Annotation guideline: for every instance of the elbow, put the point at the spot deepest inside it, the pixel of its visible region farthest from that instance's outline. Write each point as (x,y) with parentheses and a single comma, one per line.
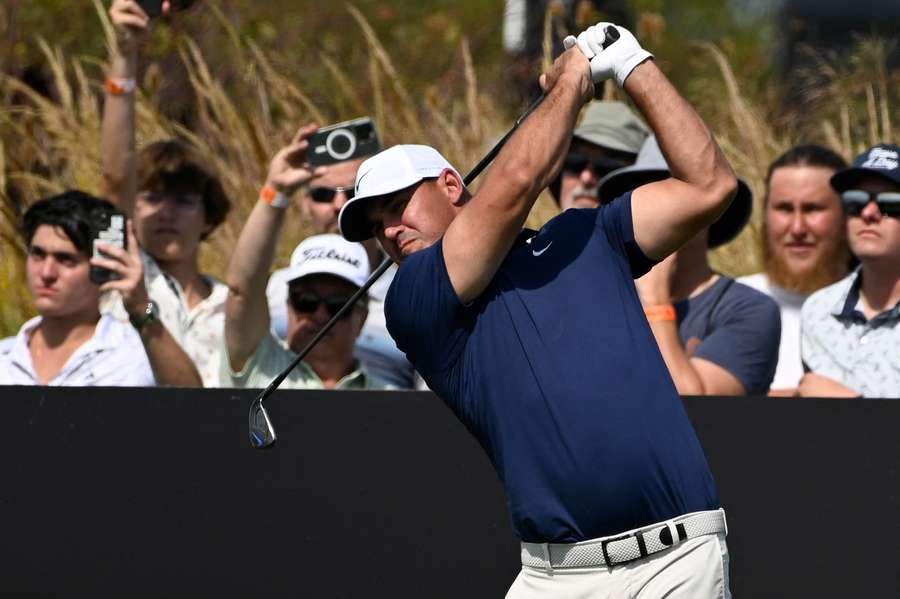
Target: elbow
(719,192)
(519,181)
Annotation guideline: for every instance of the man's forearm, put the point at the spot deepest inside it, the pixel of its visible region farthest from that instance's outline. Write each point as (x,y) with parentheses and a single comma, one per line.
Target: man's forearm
(691,152)
(246,309)
(117,142)
(535,153)
(171,365)
(687,379)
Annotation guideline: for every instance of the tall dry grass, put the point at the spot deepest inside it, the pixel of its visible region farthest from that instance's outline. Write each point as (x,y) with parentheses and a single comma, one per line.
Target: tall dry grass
(49,145)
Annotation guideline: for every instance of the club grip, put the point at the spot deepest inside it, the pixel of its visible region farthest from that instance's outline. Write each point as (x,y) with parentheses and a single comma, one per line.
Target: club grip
(611,34)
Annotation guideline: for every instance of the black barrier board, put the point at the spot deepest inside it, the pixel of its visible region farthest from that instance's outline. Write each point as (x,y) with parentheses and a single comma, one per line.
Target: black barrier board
(118,492)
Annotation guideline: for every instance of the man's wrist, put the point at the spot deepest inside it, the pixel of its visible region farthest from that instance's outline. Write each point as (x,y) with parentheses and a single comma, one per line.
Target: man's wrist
(660,313)
(273,197)
(146,316)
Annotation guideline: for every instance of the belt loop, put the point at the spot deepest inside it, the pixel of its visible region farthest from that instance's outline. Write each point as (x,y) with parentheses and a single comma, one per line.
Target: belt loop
(676,538)
(548,565)
(724,520)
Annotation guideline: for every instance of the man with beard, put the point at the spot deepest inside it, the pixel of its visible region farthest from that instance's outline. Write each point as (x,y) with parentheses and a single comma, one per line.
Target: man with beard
(850,331)
(804,245)
(608,137)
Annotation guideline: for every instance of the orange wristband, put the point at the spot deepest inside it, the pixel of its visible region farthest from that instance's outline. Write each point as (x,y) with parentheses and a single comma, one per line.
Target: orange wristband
(661,313)
(273,197)
(120,87)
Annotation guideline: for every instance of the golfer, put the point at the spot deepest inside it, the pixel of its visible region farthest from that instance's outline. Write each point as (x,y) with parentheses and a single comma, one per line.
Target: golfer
(539,343)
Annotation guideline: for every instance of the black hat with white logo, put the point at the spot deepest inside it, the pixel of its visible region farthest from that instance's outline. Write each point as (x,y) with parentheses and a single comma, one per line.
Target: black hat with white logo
(882,161)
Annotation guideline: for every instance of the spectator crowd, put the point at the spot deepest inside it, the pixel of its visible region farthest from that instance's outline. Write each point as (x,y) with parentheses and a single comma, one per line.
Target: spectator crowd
(822,319)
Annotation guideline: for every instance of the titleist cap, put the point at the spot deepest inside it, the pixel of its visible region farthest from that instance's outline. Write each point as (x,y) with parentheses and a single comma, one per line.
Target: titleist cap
(330,254)
(384,173)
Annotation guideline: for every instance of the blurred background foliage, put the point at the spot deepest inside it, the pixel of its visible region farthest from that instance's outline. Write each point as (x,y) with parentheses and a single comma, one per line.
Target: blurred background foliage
(236,78)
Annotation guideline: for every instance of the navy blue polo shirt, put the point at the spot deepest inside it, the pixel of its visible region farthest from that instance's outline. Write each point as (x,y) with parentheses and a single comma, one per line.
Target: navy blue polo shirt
(556,372)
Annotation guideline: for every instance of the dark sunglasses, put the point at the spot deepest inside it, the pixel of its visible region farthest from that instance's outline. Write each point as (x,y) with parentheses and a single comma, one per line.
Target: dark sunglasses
(307,302)
(855,200)
(575,163)
(325,195)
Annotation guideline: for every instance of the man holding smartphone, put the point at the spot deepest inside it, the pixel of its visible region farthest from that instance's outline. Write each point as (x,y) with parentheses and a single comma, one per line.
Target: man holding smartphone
(175,200)
(70,343)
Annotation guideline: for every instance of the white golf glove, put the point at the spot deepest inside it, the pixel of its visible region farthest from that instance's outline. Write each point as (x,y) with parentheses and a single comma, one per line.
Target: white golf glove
(609,57)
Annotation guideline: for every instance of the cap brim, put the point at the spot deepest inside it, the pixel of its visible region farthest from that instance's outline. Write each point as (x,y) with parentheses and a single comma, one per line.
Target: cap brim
(846,179)
(721,232)
(605,141)
(353,219)
(627,178)
(735,218)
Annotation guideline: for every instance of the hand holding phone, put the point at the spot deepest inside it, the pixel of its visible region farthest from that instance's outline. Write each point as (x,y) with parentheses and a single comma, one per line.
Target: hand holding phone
(111,230)
(343,141)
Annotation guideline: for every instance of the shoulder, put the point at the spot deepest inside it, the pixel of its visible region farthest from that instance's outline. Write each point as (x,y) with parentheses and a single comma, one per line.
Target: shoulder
(750,298)
(826,299)
(758,281)
(6,345)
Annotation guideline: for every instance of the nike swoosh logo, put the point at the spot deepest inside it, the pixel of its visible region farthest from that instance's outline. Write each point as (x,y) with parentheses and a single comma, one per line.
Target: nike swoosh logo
(538,253)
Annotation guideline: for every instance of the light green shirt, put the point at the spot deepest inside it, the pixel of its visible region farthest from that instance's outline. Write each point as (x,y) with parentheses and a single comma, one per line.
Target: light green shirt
(271,358)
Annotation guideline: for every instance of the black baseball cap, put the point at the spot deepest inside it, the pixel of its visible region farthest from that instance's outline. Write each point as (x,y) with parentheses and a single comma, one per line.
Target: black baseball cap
(882,161)
(651,166)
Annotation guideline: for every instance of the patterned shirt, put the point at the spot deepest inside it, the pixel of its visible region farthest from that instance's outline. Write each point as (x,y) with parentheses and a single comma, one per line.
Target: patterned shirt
(113,357)
(840,343)
(271,357)
(200,331)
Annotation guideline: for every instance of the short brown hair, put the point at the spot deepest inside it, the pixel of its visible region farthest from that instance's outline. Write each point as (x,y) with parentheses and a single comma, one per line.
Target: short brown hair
(173,166)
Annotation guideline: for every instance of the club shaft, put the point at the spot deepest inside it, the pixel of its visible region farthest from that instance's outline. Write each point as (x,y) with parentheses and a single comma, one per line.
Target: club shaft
(489,157)
(387,263)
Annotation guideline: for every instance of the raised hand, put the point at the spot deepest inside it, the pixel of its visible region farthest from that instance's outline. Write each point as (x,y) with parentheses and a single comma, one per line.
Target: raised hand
(129,266)
(289,168)
(130,23)
(612,50)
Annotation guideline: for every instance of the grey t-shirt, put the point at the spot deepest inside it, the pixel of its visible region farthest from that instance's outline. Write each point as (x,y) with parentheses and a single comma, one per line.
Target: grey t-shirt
(739,329)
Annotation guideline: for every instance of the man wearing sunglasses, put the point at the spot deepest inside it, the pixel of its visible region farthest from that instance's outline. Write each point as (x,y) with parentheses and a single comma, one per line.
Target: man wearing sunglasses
(850,331)
(608,138)
(320,202)
(327,272)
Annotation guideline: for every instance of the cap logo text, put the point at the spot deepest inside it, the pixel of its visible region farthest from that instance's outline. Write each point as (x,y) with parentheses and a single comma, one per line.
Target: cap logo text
(882,159)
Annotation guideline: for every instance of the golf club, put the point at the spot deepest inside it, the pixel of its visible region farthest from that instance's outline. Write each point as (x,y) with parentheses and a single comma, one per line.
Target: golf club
(262,432)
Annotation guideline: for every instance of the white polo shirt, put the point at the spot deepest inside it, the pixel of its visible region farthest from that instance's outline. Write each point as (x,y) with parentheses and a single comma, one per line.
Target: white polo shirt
(113,357)
(200,331)
(790,367)
(840,343)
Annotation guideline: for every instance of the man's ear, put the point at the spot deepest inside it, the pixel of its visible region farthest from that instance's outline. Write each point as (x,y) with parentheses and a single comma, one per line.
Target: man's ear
(450,181)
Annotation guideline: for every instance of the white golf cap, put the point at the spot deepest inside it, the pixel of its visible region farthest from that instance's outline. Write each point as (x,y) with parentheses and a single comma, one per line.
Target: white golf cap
(384,173)
(329,254)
